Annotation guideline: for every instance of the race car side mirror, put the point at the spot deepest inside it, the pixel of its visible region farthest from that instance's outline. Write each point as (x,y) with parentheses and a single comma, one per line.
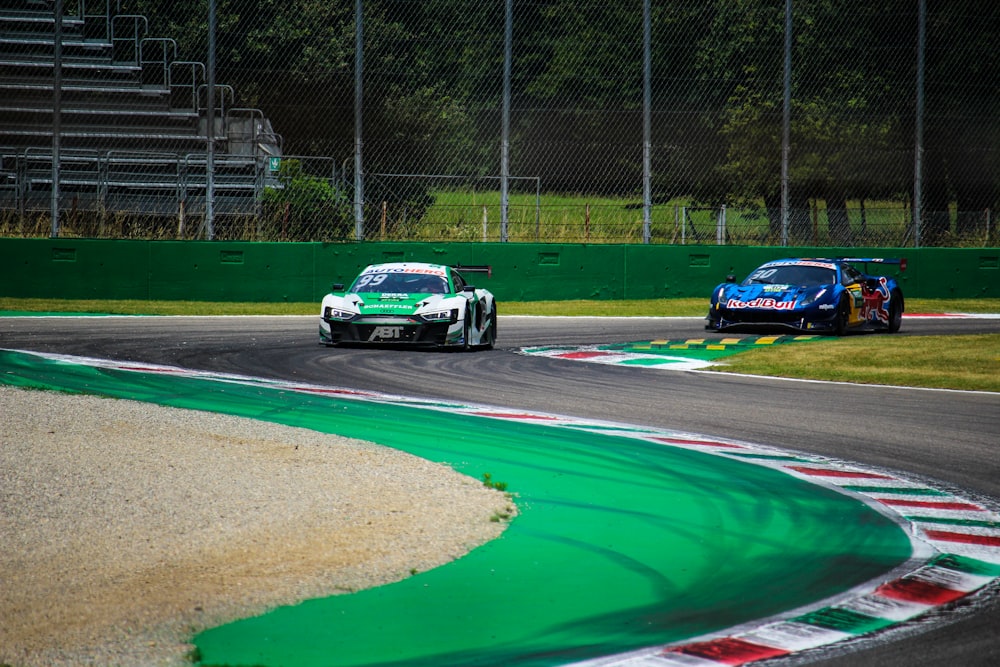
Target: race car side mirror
(469,288)
(337,287)
(730,278)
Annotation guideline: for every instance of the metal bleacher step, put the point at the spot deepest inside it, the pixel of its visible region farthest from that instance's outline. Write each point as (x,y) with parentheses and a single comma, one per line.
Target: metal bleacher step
(87,86)
(36,16)
(41,63)
(173,116)
(131,130)
(13,44)
(117,134)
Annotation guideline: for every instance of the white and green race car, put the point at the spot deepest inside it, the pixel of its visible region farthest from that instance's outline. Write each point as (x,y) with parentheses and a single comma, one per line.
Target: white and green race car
(410,303)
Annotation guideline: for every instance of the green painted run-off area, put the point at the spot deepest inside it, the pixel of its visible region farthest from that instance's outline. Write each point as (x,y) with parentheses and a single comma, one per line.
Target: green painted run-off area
(667,353)
(620,543)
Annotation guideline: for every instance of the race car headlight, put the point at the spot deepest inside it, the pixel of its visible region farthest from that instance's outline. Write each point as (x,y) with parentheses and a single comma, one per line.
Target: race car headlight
(812,298)
(336,314)
(437,316)
(718,299)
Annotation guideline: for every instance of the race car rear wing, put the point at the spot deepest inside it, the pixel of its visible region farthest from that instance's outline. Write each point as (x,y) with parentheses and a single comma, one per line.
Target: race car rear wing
(877,260)
(474,268)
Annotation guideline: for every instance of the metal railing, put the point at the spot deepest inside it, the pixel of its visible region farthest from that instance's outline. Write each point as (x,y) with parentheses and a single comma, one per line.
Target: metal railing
(685,122)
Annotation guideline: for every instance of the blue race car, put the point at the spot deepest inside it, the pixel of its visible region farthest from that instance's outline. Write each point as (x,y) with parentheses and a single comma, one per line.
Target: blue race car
(810,295)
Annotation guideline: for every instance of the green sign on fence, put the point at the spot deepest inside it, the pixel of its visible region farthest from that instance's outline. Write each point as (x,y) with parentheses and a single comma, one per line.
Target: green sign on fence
(274,164)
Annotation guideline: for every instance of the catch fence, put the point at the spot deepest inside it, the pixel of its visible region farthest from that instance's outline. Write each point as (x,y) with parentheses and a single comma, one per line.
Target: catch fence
(757,122)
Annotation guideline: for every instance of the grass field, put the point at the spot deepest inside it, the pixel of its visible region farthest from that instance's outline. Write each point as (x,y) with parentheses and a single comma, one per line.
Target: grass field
(474,215)
(970,362)
(952,362)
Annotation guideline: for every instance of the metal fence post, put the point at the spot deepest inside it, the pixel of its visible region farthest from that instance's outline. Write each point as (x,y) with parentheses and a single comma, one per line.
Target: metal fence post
(56,116)
(647,188)
(505,130)
(918,148)
(786,122)
(359,181)
(210,128)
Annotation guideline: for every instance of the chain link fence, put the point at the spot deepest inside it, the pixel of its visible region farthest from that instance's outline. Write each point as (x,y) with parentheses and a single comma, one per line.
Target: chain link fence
(708,122)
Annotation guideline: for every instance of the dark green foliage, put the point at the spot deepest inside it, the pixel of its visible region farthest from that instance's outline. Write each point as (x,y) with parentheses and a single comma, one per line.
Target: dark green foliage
(433,91)
(292,211)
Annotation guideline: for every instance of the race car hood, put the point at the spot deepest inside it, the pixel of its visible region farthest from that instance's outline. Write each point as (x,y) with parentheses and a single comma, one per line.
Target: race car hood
(375,303)
(762,296)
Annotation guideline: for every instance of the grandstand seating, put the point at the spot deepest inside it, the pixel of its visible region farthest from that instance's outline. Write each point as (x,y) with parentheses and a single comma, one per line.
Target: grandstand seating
(133,118)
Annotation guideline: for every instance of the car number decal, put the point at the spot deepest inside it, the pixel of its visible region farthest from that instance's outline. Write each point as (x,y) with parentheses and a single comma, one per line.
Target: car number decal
(369,280)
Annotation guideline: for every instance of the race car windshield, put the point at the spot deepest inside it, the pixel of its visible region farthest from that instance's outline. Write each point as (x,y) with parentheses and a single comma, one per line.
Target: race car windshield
(792,274)
(405,283)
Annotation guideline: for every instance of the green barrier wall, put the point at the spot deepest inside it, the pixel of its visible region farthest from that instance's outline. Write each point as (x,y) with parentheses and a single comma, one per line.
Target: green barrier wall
(303,272)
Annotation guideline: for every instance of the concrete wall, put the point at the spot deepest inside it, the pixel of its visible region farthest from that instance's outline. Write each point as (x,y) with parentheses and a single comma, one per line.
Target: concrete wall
(303,272)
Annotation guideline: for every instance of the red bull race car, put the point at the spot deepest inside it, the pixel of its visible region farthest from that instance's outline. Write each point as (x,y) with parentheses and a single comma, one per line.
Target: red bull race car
(411,303)
(811,295)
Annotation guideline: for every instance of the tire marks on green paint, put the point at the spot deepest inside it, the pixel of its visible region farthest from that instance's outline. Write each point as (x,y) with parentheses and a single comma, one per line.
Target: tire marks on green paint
(631,542)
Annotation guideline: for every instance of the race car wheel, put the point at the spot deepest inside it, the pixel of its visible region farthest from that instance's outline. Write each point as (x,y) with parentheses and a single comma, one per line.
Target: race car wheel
(895,313)
(467,329)
(843,316)
(491,330)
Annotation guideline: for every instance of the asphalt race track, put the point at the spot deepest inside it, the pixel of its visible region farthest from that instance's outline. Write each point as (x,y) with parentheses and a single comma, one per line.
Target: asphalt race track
(950,437)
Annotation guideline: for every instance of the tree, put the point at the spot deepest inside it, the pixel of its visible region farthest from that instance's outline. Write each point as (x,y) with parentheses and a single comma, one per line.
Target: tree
(848,105)
(578,95)
(304,208)
(963,105)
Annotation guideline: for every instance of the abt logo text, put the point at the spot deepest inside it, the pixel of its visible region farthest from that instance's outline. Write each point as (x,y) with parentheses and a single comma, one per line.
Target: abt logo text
(384,333)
